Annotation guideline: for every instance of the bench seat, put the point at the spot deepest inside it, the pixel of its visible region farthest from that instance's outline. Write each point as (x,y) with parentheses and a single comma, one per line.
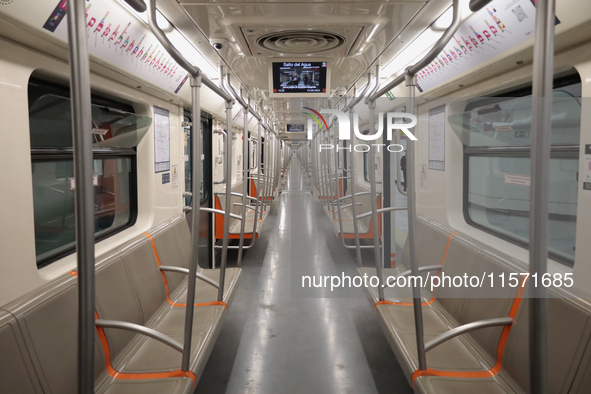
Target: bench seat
(41,326)
(364,225)
(491,360)
(235,224)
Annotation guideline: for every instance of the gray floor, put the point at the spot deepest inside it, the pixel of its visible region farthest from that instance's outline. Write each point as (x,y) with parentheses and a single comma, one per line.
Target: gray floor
(273,342)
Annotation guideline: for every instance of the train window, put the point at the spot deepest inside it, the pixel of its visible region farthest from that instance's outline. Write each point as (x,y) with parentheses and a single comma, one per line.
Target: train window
(496,133)
(116,131)
(53,202)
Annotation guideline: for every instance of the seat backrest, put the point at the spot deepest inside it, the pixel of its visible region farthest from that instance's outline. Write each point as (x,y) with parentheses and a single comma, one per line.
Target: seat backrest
(427,234)
(461,258)
(488,302)
(48,322)
(173,245)
(221,199)
(569,329)
(365,201)
(129,287)
(17,374)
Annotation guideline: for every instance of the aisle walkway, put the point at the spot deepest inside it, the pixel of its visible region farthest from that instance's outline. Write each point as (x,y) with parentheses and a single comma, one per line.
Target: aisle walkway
(276,340)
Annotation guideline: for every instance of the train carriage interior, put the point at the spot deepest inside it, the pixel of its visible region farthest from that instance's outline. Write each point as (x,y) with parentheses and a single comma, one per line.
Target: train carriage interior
(393,196)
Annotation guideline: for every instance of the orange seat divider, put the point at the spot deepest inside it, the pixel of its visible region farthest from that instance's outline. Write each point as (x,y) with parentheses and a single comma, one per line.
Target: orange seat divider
(500,348)
(170,302)
(375,308)
(136,376)
(432,300)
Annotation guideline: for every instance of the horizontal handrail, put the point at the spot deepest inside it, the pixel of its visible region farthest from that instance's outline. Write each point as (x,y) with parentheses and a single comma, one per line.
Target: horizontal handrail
(178,57)
(463,329)
(219,211)
(261,179)
(361,246)
(234,194)
(139,329)
(423,269)
(185,271)
(350,205)
(356,194)
(247,206)
(381,210)
(432,54)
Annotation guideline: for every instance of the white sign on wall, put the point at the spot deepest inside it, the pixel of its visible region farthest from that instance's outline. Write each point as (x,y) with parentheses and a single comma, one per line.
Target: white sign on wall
(161,140)
(120,38)
(437,138)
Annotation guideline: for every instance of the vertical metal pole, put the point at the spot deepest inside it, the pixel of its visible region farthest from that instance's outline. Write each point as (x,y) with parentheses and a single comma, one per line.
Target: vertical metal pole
(257,206)
(374,204)
(244,183)
(543,69)
(195,217)
(267,178)
(84,192)
(398,168)
(326,172)
(266,166)
(228,206)
(338,201)
(412,215)
(321,167)
(353,197)
(334,189)
(277,162)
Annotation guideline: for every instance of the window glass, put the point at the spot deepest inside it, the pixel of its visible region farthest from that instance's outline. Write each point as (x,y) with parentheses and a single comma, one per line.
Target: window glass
(507,121)
(497,191)
(53,198)
(116,131)
(498,199)
(50,121)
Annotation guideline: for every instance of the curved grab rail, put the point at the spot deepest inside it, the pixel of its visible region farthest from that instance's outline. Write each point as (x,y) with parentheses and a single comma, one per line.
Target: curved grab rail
(139,329)
(219,211)
(185,271)
(234,194)
(381,210)
(463,329)
(425,268)
(357,194)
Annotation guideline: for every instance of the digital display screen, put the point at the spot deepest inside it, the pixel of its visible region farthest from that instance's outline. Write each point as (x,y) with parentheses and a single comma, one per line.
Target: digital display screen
(295,128)
(299,77)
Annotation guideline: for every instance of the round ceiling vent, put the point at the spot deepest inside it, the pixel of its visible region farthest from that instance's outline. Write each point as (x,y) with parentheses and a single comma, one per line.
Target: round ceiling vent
(300,41)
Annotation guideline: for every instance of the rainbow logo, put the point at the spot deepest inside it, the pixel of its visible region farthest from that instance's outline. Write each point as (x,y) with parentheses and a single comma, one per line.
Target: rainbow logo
(316,115)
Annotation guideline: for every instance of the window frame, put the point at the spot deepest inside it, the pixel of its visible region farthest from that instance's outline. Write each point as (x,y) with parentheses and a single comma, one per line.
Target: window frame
(38,88)
(557,151)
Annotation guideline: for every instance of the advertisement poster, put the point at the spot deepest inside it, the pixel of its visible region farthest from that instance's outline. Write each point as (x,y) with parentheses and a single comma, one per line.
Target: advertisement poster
(116,36)
(494,29)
